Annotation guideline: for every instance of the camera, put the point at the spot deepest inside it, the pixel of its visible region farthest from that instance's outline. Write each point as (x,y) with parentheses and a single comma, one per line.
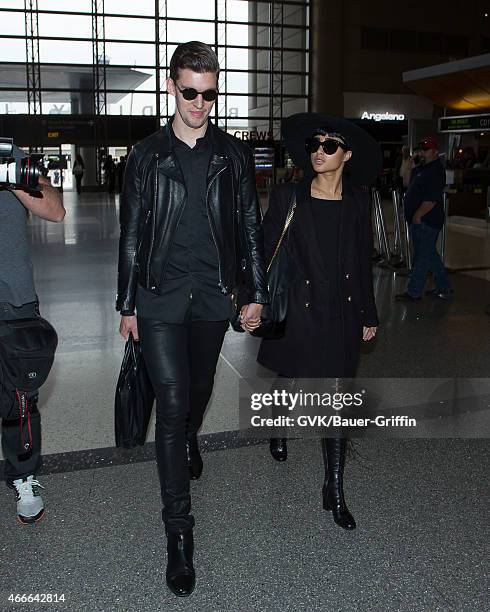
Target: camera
(18,173)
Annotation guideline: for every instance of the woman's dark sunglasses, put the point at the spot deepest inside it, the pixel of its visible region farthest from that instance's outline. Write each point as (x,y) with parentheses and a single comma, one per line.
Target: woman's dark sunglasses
(189,93)
(329,146)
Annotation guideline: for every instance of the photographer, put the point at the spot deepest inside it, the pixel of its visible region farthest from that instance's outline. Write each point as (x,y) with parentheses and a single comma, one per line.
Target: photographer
(18,300)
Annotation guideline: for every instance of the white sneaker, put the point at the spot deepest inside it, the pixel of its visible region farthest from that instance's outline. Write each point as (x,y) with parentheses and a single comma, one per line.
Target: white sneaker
(30,505)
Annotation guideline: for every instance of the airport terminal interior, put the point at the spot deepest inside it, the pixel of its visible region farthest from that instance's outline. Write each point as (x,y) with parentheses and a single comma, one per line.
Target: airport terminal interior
(263,541)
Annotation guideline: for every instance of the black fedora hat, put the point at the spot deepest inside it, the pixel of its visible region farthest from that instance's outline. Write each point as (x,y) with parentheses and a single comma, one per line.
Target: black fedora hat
(366,161)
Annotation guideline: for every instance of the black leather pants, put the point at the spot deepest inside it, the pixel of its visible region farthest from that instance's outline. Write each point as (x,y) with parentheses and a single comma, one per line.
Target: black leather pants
(181,361)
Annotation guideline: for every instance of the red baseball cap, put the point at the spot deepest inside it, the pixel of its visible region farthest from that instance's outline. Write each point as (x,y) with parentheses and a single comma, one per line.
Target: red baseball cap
(428,142)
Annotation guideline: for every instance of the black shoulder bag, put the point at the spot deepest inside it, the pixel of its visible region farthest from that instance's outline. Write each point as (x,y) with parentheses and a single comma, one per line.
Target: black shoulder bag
(273,319)
(27,349)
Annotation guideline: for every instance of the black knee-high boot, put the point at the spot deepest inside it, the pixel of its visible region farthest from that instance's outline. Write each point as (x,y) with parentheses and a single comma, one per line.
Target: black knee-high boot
(334,452)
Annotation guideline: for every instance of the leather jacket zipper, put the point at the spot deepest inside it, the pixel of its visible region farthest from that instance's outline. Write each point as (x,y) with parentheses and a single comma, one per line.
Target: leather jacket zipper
(164,267)
(212,228)
(142,232)
(155,155)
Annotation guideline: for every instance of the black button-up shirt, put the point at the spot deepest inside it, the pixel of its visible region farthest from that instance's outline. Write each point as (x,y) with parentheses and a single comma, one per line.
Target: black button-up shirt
(190,286)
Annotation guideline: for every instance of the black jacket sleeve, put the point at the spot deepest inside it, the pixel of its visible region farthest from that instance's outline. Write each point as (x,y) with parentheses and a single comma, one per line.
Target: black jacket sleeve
(366,253)
(253,239)
(129,216)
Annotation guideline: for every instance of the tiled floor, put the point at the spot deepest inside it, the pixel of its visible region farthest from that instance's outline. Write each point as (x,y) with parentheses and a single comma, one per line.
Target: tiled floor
(263,542)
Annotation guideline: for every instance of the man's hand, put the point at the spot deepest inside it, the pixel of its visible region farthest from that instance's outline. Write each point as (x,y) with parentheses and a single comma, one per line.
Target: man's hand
(250,316)
(129,324)
(368,333)
(49,206)
(422,210)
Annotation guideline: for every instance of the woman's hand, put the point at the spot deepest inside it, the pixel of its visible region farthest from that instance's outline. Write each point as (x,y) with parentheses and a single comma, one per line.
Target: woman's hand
(368,333)
(250,316)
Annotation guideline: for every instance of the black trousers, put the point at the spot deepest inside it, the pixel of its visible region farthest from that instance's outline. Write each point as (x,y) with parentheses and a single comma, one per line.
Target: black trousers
(18,462)
(181,361)
(78,181)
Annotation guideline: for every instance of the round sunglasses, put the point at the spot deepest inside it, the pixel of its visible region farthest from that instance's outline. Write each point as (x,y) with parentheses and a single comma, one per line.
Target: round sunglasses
(189,93)
(329,146)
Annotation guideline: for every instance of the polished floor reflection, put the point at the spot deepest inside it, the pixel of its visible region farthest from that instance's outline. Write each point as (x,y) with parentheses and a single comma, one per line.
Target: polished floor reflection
(76,265)
(262,540)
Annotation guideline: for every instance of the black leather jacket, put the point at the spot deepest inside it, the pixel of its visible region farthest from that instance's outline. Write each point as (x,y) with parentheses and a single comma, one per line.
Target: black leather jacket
(152,202)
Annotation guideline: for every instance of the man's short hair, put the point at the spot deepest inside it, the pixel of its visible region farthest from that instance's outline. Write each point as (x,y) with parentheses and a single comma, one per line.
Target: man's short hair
(195,56)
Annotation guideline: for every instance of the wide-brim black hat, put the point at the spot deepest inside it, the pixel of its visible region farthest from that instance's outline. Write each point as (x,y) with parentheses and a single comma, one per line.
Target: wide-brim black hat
(365,163)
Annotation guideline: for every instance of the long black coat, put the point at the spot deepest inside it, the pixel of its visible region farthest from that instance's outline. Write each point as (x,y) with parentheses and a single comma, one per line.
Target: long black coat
(303,351)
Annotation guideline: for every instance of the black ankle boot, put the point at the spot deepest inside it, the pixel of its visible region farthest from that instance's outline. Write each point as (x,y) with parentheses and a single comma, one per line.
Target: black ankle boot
(181,578)
(334,451)
(279,448)
(194,459)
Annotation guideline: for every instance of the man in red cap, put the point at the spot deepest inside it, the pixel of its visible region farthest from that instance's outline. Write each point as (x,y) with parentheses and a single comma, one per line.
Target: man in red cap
(424,212)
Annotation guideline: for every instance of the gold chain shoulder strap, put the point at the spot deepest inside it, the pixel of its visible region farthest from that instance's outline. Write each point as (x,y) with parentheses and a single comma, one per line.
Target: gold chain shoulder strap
(289,218)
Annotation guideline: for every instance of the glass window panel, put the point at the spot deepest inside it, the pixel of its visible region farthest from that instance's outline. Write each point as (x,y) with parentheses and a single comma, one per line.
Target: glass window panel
(13,23)
(130,53)
(13,50)
(134,104)
(259,60)
(80,6)
(13,76)
(204,9)
(263,13)
(130,28)
(262,36)
(237,10)
(238,34)
(294,15)
(129,7)
(237,58)
(13,107)
(180,31)
(56,103)
(294,38)
(237,82)
(262,84)
(71,26)
(170,52)
(242,105)
(294,86)
(294,61)
(17,4)
(121,78)
(66,51)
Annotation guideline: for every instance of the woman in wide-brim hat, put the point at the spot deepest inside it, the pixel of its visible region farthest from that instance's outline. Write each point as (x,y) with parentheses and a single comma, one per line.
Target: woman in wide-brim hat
(331,307)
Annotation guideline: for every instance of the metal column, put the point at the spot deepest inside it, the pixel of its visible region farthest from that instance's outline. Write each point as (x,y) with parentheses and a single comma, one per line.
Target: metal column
(276,39)
(443,238)
(383,244)
(221,38)
(33,66)
(161,60)
(99,82)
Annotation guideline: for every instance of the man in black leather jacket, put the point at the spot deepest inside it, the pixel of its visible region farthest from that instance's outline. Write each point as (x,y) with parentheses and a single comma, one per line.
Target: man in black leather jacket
(190,225)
